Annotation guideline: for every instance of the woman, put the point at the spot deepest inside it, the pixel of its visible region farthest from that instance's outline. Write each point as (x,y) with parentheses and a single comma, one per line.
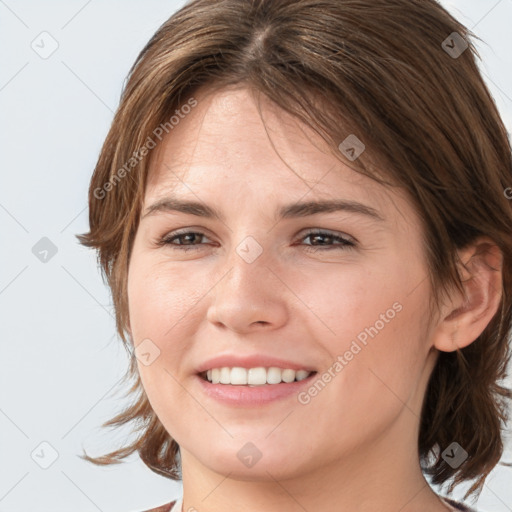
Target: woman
(300,209)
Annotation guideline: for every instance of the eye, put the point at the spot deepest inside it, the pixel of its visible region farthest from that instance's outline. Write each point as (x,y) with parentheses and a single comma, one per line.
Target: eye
(328,238)
(184,241)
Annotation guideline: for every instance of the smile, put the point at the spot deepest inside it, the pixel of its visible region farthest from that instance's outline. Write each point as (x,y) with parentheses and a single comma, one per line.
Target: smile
(257,376)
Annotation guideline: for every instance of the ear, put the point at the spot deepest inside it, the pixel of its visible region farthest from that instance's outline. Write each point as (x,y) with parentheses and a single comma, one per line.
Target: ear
(463,318)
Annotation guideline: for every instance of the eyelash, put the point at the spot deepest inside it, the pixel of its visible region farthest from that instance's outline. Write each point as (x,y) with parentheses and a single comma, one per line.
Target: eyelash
(344,244)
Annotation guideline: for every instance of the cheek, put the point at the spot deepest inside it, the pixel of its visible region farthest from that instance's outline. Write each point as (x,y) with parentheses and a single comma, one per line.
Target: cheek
(370,317)
(346,300)
(384,360)
(379,379)
(159,295)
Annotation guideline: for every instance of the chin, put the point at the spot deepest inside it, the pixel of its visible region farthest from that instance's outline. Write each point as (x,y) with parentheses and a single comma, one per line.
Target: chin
(258,461)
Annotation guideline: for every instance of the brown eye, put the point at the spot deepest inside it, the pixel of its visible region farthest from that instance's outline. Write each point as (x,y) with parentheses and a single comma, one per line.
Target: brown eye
(325,240)
(320,240)
(186,240)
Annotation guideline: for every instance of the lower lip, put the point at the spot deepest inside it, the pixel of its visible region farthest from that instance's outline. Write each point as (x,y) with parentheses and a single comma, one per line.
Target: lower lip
(253,395)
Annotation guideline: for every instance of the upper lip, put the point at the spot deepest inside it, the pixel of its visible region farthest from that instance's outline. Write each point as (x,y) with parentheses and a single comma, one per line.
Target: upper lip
(253,361)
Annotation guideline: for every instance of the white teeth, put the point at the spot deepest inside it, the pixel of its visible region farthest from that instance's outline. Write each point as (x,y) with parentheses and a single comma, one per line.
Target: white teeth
(273,375)
(288,375)
(225,376)
(256,376)
(301,374)
(259,376)
(238,376)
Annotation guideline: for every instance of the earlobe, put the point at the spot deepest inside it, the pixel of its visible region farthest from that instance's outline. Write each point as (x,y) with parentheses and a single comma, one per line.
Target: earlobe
(464,317)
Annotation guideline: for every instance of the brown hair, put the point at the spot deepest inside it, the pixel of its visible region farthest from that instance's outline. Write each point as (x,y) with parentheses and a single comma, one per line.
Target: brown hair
(385,71)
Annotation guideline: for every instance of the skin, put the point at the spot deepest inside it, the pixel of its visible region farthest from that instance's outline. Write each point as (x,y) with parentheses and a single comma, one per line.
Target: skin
(353,447)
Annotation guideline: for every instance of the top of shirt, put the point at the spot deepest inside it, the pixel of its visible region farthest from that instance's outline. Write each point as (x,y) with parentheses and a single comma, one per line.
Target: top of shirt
(173,506)
(176,506)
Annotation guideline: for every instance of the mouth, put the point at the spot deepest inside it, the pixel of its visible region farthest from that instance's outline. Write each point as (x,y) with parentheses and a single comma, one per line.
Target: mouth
(245,388)
(252,377)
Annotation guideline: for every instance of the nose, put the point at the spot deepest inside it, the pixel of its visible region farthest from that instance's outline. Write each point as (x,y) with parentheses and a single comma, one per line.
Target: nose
(249,298)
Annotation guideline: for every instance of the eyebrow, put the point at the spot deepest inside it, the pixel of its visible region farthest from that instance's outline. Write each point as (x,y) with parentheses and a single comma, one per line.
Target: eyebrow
(304,209)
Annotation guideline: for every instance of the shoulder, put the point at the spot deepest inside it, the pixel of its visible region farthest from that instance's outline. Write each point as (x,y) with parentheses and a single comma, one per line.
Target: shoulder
(162,508)
(460,506)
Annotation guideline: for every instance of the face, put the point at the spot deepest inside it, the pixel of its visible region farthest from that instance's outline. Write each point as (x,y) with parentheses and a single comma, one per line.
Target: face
(339,295)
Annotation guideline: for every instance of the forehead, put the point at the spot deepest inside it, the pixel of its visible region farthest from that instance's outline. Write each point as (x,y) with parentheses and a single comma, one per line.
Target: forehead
(230,142)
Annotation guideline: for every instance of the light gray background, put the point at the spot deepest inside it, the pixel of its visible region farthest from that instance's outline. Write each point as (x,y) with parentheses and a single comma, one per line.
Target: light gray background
(60,356)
